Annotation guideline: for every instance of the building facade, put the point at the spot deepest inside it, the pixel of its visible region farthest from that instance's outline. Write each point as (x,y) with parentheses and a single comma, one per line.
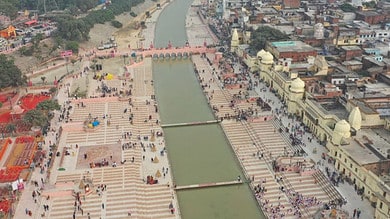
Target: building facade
(354,153)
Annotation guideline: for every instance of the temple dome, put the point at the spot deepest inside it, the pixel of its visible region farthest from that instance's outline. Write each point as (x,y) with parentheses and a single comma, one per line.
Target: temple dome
(267,58)
(355,118)
(235,34)
(261,53)
(297,85)
(342,126)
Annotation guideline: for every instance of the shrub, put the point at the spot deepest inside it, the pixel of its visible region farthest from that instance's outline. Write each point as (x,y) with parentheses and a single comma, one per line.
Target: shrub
(133,14)
(116,24)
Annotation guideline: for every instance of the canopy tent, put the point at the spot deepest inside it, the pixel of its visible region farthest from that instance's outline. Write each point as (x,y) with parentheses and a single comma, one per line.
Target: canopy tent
(31,22)
(95,123)
(109,76)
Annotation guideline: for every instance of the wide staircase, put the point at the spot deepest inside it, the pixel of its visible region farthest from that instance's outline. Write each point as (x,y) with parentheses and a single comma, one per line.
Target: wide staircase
(246,151)
(153,202)
(327,186)
(286,135)
(143,80)
(271,138)
(218,98)
(315,185)
(126,192)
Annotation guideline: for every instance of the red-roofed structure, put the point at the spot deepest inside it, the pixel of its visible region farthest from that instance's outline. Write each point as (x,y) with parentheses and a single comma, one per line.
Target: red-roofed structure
(31,22)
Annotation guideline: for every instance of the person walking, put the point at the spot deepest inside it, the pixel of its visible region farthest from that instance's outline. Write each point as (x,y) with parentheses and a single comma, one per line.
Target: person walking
(358,213)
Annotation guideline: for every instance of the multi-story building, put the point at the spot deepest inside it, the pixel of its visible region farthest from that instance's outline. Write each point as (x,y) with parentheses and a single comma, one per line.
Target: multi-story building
(370,17)
(346,36)
(350,52)
(296,50)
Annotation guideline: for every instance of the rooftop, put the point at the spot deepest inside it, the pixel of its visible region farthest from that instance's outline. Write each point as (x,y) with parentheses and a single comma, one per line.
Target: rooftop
(369,146)
(266,10)
(352,62)
(380,105)
(381,89)
(289,46)
(349,48)
(333,108)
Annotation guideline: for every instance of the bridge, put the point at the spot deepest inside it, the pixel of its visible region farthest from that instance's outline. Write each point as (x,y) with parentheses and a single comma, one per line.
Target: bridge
(207,185)
(158,52)
(189,123)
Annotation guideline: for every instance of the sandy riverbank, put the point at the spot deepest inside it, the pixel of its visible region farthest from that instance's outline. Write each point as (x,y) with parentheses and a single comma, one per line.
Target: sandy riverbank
(129,34)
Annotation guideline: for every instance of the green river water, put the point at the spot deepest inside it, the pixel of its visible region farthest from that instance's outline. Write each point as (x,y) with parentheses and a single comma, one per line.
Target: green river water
(197,154)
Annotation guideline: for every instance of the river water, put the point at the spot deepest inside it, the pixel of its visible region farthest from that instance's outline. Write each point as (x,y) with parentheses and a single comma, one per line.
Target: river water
(197,154)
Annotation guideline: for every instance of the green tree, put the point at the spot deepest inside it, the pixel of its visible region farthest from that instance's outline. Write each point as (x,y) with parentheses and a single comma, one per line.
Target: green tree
(10,74)
(371,4)
(72,45)
(52,90)
(85,5)
(9,8)
(35,118)
(73,29)
(261,35)
(116,24)
(43,78)
(48,105)
(347,8)
(37,39)
(11,128)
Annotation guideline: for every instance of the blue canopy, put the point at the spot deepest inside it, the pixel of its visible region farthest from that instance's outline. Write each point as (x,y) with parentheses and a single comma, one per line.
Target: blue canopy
(95,123)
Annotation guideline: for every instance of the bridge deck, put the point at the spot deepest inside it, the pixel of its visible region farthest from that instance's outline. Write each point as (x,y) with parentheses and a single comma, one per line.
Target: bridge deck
(156,51)
(207,185)
(189,123)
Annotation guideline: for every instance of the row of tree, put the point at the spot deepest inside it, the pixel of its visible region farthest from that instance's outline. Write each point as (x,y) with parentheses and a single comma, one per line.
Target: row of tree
(77,29)
(11,7)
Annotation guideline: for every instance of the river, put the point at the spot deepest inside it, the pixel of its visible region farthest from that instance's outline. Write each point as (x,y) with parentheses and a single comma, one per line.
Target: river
(197,154)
